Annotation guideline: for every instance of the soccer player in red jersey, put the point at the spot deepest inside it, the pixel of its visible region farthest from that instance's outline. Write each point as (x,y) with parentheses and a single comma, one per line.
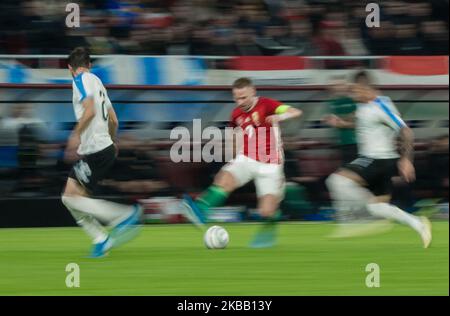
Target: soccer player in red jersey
(259,159)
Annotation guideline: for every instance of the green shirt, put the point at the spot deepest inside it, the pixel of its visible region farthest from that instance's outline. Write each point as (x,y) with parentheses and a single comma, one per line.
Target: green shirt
(343,107)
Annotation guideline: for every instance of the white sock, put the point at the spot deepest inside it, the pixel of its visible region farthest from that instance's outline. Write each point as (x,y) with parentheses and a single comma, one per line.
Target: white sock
(392,212)
(107,212)
(90,225)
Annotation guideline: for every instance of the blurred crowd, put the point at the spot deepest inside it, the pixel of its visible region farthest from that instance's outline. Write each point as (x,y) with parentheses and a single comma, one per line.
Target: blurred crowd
(226,28)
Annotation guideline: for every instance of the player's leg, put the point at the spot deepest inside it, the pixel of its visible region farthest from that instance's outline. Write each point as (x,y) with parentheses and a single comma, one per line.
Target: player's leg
(109,213)
(197,211)
(87,212)
(270,185)
(98,234)
(83,179)
(232,176)
(90,225)
(270,214)
(348,193)
(379,206)
(350,197)
(216,195)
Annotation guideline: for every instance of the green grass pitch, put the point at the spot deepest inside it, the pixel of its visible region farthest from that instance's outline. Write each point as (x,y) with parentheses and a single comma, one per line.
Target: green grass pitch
(172,260)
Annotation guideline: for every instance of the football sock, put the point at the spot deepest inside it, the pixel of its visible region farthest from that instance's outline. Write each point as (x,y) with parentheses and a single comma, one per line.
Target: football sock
(266,234)
(392,212)
(106,212)
(270,222)
(213,196)
(90,225)
(274,218)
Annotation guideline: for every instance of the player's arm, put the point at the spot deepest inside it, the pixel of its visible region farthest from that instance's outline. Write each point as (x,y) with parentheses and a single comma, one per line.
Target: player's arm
(86,118)
(406,143)
(340,122)
(83,123)
(113,123)
(86,86)
(284,112)
(406,148)
(390,116)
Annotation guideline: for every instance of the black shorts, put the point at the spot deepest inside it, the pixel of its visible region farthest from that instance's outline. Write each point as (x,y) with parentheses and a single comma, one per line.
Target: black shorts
(91,169)
(376,172)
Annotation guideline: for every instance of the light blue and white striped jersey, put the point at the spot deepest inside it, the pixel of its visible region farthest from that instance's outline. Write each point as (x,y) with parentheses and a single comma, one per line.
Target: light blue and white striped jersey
(377,126)
(96,135)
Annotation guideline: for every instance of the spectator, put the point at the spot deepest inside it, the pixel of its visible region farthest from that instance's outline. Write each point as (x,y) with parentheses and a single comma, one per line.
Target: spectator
(179,40)
(245,43)
(327,40)
(352,42)
(223,36)
(118,26)
(381,40)
(271,42)
(300,40)
(420,12)
(26,132)
(200,40)
(435,37)
(407,40)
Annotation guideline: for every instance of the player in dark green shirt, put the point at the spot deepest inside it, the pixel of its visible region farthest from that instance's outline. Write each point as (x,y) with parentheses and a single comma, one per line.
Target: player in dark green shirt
(343,108)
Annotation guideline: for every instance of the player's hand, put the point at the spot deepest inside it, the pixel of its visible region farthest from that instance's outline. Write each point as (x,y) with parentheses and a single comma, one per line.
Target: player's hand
(71,149)
(331,120)
(273,119)
(406,169)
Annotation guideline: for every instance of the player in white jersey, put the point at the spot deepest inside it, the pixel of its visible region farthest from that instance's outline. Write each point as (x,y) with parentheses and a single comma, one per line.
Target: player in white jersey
(91,142)
(365,182)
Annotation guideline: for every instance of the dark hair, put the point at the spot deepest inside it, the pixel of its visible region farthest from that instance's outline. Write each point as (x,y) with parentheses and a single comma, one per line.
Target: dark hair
(79,57)
(242,83)
(362,74)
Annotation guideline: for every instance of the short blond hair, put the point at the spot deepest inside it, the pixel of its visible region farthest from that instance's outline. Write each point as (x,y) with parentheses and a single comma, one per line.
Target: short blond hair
(242,83)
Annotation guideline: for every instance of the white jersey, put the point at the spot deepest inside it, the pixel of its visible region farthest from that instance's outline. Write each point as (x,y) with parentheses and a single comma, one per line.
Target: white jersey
(96,135)
(377,125)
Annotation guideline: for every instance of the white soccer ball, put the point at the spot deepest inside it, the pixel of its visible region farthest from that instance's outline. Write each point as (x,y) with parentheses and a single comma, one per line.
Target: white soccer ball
(216,237)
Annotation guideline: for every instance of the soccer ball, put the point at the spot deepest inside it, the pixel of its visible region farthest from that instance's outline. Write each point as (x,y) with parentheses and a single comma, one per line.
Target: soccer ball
(216,237)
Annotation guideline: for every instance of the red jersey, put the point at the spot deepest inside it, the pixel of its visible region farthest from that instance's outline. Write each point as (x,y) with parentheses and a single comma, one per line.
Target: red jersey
(261,140)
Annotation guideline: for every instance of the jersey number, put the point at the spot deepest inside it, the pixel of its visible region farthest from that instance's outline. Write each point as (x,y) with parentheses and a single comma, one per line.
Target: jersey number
(104,110)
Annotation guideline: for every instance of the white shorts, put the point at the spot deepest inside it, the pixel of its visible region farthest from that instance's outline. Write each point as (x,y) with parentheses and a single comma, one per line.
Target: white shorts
(269,178)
